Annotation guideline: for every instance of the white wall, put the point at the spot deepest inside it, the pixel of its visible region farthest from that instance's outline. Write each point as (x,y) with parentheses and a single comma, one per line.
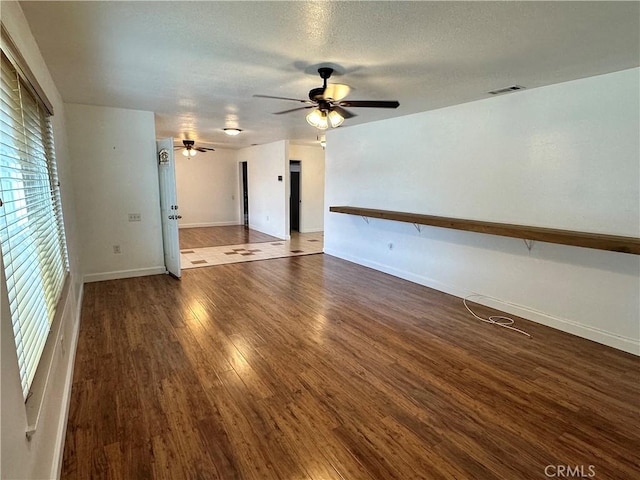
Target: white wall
(208,188)
(268,197)
(40,457)
(563,156)
(311,186)
(115,173)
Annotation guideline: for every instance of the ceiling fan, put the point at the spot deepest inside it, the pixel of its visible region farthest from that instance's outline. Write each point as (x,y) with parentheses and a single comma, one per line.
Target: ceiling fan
(328,101)
(190,150)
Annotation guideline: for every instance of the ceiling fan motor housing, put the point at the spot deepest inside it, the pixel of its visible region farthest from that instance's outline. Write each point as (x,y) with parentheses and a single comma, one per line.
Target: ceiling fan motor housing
(316,94)
(324,105)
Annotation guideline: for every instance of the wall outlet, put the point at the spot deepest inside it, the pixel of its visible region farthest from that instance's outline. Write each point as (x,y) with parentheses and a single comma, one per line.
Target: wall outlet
(116,250)
(135,217)
(390,245)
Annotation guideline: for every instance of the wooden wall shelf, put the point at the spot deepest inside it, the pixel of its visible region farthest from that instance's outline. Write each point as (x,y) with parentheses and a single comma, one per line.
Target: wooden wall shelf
(598,241)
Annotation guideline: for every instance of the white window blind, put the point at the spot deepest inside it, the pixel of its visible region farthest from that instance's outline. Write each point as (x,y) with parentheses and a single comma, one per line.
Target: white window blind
(31,226)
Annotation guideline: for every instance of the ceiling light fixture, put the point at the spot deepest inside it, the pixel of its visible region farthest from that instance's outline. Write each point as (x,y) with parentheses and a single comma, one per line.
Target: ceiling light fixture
(335,119)
(232,132)
(317,119)
(189,152)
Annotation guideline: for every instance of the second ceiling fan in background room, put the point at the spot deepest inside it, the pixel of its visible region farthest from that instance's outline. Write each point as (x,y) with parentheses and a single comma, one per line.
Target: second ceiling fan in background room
(328,101)
(190,150)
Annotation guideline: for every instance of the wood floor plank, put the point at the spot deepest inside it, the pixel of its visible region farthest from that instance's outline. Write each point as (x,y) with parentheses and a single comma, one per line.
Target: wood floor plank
(315,368)
(199,237)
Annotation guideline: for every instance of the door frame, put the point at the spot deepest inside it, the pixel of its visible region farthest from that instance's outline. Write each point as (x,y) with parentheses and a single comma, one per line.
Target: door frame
(168,206)
(295,166)
(243,167)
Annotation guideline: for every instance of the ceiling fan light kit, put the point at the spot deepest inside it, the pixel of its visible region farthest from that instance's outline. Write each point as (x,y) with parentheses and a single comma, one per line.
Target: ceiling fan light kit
(323,120)
(232,132)
(189,153)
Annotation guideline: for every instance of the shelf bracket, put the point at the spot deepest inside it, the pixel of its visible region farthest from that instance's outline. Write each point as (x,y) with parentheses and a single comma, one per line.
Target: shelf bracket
(418,227)
(528,243)
(366,219)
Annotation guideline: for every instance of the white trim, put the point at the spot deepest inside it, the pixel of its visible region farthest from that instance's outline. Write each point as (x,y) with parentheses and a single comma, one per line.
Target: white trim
(41,383)
(58,454)
(141,272)
(208,224)
(312,230)
(12,52)
(273,234)
(626,344)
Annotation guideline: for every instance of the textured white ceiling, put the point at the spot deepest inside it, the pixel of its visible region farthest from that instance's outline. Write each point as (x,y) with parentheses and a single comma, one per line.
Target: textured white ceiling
(197,64)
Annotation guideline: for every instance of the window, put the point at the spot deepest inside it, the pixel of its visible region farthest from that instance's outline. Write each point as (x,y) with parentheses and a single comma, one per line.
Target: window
(31,226)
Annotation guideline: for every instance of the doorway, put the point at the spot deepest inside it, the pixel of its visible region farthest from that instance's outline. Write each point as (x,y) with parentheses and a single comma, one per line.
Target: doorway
(295,169)
(245,193)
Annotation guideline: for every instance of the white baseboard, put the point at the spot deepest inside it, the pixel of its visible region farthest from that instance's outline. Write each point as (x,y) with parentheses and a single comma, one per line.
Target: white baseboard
(208,224)
(58,456)
(619,342)
(141,272)
(630,345)
(273,234)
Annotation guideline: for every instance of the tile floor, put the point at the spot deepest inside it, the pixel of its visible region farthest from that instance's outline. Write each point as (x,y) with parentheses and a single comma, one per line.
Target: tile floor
(300,244)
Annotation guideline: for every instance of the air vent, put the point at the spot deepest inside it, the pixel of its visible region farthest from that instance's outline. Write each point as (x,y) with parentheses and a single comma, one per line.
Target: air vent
(512,88)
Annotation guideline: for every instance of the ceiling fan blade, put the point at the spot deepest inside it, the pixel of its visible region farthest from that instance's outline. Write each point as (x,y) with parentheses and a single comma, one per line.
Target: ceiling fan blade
(336,91)
(343,112)
(292,110)
(283,98)
(370,103)
(204,149)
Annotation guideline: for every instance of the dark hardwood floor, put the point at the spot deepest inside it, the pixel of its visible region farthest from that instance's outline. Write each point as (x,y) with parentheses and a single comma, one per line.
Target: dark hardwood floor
(316,368)
(220,236)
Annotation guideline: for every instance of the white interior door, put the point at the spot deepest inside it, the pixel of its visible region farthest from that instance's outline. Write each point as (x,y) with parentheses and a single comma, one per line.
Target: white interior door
(169,206)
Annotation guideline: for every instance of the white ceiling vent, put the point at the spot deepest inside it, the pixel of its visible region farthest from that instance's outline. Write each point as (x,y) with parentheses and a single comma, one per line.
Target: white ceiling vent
(512,88)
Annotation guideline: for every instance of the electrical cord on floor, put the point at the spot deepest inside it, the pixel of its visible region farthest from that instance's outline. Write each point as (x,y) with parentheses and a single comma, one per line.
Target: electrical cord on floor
(499,320)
